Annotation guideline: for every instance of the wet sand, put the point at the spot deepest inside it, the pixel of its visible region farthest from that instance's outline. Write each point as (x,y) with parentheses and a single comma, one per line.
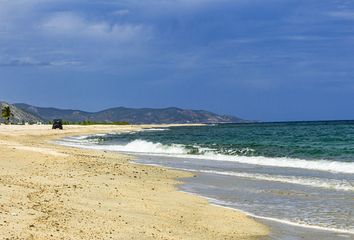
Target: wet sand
(55,192)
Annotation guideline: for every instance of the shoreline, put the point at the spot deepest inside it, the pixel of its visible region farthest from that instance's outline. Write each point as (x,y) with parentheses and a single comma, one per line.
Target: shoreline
(100,193)
(249,214)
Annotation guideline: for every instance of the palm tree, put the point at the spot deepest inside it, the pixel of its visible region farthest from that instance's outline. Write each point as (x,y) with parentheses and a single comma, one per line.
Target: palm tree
(6,114)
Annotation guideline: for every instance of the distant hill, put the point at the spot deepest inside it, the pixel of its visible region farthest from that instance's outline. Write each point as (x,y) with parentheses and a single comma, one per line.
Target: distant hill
(20,115)
(131,115)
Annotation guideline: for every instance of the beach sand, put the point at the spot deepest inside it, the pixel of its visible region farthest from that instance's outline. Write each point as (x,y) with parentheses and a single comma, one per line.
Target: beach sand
(49,191)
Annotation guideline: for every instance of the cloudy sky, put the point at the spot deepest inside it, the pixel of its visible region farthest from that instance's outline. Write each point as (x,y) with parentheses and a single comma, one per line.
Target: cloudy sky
(258,59)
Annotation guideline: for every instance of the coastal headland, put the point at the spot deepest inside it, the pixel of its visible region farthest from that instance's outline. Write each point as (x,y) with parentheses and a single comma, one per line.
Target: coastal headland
(48,191)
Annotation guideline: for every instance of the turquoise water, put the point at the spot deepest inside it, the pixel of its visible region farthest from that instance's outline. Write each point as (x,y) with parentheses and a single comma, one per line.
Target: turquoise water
(299,174)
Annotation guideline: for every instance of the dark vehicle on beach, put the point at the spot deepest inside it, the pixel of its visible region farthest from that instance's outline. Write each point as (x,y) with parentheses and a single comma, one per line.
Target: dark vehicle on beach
(57,124)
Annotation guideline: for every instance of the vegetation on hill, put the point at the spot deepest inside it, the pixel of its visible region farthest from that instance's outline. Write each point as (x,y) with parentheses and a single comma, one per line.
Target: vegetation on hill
(6,114)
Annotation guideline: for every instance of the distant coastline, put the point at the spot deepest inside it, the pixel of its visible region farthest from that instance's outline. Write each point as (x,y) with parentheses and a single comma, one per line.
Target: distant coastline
(172,115)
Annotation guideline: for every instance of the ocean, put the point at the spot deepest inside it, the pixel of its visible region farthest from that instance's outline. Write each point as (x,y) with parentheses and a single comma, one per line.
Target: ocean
(297,177)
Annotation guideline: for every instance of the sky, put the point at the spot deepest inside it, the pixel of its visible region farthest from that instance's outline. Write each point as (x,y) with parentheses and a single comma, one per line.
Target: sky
(268,60)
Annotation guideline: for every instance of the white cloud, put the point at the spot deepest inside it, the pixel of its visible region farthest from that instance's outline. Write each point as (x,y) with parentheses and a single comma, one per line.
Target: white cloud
(345,14)
(168,7)
(23,61)
(73,25)
(29,61)
(121,12)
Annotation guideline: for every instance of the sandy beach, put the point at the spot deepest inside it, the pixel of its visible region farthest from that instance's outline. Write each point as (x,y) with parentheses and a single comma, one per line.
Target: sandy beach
(49,191)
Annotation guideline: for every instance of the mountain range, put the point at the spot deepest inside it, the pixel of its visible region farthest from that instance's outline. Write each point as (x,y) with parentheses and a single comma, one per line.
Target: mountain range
(28,113)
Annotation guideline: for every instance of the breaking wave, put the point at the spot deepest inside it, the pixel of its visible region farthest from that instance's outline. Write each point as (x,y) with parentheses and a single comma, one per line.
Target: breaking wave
(182,151)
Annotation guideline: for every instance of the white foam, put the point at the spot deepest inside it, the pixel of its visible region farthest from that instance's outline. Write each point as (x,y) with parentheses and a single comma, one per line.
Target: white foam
(319,165)
(80,137)
(179,151)
(78,140)
(136,146)
(342,185)
(100,135)
(141,146)
(154,129)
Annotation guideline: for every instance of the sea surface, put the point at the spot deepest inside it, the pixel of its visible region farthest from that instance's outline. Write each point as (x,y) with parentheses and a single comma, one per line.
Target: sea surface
(297,177)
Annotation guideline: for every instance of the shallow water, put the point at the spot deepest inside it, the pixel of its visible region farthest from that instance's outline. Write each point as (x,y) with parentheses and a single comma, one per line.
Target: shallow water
(307,208)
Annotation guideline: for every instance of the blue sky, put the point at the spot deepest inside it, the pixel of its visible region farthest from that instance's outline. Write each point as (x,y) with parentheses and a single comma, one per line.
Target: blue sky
(258,59)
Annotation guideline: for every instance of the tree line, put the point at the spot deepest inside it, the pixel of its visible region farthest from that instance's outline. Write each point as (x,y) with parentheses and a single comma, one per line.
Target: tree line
(6,114)
(88,122)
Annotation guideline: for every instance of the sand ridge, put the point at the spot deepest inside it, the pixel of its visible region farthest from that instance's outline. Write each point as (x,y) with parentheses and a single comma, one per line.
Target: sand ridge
(49,191)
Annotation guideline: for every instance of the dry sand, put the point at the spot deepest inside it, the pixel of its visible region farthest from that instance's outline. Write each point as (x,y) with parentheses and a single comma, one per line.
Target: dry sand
(55,192)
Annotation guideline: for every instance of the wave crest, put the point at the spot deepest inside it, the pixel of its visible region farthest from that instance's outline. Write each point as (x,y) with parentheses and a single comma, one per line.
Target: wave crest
(141,146)
(182,151)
